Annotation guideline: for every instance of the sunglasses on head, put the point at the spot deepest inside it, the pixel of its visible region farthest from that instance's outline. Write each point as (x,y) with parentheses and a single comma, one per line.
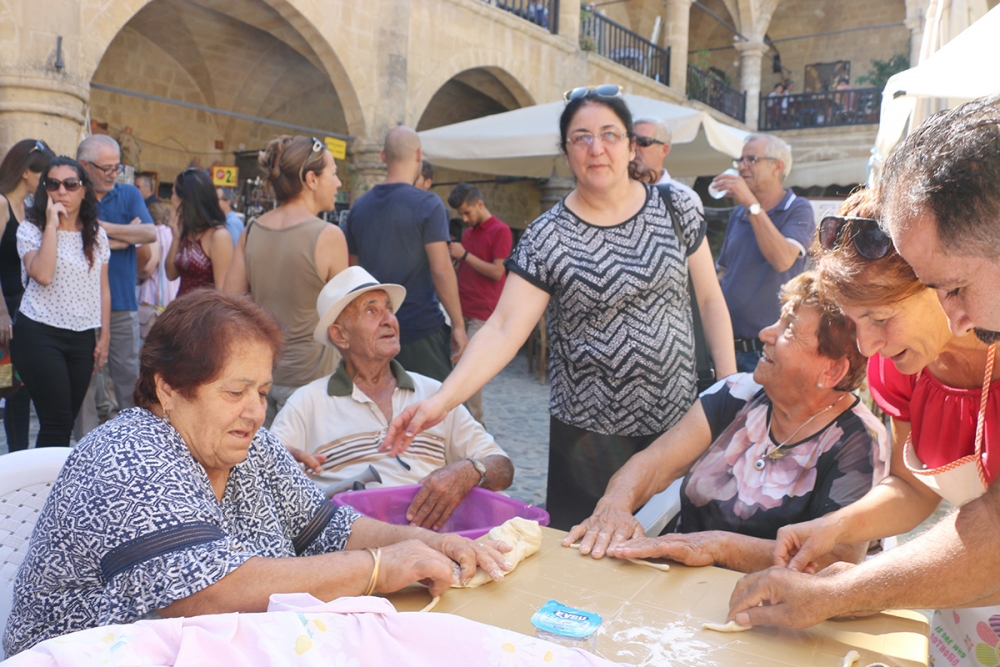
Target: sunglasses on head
(317,147)
(646,142)
(606,90)
(39,146)
(869,240)
(71,184)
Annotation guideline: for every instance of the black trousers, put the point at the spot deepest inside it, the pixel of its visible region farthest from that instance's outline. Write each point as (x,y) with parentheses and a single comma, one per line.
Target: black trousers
(430,356)
(55,366)
(17,409)
(581,464)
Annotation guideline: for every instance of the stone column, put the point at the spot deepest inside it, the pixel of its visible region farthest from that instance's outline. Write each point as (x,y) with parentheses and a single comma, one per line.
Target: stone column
(751,55)
(569,20)
(675,35)
(366,169)
(553,189)
(41,105)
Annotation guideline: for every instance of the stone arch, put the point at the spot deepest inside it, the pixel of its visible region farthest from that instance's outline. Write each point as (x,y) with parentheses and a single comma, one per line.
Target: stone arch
(507,72)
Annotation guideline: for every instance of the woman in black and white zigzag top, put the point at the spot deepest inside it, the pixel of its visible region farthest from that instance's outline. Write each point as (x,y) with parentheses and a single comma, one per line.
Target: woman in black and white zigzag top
(609,267)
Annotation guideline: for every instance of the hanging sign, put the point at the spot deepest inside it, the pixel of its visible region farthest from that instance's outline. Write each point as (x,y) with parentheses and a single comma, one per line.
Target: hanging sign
(337,147)
(224,177)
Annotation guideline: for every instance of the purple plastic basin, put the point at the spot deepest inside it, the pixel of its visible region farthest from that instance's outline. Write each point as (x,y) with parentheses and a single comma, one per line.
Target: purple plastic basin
(479,511)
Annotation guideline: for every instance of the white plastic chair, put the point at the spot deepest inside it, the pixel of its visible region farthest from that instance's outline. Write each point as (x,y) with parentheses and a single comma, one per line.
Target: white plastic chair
(25,480)
(660,509)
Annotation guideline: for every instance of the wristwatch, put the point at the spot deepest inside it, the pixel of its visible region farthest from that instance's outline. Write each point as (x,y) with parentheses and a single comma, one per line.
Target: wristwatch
(754,208)
(481,469)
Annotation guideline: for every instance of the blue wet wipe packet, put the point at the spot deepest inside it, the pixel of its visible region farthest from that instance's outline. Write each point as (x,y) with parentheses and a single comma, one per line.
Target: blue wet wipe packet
(565,621)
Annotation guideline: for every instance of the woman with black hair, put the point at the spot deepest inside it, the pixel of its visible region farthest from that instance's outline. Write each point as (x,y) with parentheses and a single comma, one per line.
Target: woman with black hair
(66,299)
(20,172)
(611,272)
(202,248)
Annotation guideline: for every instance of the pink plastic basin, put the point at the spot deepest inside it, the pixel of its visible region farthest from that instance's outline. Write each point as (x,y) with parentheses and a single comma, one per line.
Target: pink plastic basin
(479,511)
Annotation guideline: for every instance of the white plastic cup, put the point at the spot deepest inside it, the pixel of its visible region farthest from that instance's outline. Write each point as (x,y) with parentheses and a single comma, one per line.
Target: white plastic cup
(719,194)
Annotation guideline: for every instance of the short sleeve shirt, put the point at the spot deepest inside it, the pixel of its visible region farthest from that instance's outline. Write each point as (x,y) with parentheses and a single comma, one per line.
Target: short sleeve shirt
(132,524)
(73,299)
(826,471)
(942,419)
(619,316)
(121,206)
(490,240)
(387,228)
(750,283)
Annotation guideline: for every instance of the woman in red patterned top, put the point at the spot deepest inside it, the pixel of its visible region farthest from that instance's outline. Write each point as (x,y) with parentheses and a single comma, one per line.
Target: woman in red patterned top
(202,248)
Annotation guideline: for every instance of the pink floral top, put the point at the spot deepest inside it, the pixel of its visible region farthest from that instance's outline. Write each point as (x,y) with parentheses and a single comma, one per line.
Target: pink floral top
(725,490)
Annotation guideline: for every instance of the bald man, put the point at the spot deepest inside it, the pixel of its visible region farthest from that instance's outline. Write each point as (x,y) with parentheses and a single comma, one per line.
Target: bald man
(399,234)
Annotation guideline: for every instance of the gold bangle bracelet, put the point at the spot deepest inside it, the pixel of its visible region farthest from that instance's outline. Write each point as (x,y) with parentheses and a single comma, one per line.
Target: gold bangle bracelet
(377,556)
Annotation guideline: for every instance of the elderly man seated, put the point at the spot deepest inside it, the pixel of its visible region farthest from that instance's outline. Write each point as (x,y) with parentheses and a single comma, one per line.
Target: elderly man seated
(340,420)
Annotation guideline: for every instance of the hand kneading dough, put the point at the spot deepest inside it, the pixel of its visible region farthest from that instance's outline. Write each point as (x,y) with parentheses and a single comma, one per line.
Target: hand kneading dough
(731,626)
(524,537)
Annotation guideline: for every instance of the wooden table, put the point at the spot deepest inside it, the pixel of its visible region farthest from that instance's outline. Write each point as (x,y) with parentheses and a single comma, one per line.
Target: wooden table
(654,618)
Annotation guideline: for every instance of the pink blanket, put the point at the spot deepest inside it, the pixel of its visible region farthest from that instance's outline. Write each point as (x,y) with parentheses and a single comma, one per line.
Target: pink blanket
(300,630)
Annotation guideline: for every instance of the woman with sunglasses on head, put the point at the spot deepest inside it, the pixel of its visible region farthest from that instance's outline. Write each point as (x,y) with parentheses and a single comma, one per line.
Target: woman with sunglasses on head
(65,254)
(202,248)
(285,257)
(20,172)
(609,267)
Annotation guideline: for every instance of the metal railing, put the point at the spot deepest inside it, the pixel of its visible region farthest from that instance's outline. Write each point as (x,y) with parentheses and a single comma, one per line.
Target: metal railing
(544,13)
(829,109)
(616,42)
(716,93)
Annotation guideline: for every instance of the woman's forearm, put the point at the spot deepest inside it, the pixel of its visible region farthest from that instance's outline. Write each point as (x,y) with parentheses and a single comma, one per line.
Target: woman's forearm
(718,329)
(40,265)
(169,267)
(746,554)
(892,507)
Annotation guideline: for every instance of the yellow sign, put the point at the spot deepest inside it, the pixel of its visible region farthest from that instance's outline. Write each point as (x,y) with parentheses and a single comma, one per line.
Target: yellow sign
(337,147)
(224,177)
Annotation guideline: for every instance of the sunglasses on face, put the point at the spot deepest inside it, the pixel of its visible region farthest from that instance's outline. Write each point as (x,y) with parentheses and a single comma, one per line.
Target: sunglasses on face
(751,160)
(317,147)
(646,142)
(71,184)
(869,240)
(606,90)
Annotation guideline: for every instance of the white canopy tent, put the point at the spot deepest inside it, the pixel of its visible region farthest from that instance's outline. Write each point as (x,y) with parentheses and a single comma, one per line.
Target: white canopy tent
(525,142)
(963,69)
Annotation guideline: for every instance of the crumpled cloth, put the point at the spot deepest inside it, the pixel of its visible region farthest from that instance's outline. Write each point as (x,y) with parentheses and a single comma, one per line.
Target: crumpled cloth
(300,630)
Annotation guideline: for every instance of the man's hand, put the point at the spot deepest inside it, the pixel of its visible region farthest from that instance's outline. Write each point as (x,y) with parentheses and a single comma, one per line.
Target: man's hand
(736,188)
(790,599)
(459,339)
(693,549)
(312,462)
(606,528)
(456,249)
(441,493)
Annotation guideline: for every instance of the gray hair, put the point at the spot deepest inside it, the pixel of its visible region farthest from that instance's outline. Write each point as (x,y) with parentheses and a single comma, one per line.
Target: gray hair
(949,167)
(89,148)
(661,133)
(776,148)
(229,194)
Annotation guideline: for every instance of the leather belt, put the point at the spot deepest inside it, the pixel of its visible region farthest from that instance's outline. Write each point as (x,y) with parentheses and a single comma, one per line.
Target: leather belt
(749,345)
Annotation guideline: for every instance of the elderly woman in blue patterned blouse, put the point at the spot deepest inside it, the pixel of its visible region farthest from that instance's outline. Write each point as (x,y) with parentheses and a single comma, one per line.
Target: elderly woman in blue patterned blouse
(185,505)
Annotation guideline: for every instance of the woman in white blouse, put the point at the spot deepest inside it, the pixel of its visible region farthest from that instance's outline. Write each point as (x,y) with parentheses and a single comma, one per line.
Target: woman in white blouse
(66,299)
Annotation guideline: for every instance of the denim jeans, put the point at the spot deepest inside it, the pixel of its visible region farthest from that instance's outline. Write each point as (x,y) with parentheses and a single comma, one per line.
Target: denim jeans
(746,362)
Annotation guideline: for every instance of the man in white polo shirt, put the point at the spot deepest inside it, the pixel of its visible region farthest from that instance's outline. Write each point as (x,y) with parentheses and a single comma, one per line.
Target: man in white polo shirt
(339,421)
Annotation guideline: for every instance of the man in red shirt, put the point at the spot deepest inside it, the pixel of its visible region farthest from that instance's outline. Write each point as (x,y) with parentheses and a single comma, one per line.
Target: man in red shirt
(485,245)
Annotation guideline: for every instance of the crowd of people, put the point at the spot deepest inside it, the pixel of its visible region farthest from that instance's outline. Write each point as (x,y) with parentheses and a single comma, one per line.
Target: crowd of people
(288,354)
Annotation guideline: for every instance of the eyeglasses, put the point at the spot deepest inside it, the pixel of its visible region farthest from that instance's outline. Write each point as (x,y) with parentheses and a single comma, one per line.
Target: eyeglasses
(110,170)
(317,147)
(646,142)
(71,184)
(608,138)
(606,90)
(751,160)
(869,240)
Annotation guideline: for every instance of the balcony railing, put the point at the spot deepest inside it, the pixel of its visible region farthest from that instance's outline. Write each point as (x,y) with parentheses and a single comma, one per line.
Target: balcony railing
(616,42)
(716,93)
(544,13)
(829,109)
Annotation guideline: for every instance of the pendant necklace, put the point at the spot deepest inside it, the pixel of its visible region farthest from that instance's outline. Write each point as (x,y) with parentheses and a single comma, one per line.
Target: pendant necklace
(779,452)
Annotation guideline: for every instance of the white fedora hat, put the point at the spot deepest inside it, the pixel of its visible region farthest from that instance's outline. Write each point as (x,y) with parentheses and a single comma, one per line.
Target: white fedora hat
(344,288)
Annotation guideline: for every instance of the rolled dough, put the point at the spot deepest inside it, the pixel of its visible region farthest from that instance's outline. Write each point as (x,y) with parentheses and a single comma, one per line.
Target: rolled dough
(524,537)
(731,626)
(851,658)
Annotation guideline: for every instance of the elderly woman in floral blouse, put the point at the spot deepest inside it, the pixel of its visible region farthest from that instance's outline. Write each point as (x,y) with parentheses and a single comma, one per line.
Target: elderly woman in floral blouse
(184,505)
(757,452)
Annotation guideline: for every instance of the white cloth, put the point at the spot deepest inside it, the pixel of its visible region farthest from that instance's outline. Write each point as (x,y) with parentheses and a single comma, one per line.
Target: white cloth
(695,199)
(332,416)
(73,299)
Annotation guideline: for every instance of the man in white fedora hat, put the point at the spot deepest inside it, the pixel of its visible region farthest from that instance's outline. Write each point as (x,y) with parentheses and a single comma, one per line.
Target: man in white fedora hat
(340,420)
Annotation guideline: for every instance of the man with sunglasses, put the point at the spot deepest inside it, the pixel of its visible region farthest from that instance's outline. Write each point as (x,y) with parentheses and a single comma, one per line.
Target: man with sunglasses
(126,220)
(940,202)
(652,145)
(765,243)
